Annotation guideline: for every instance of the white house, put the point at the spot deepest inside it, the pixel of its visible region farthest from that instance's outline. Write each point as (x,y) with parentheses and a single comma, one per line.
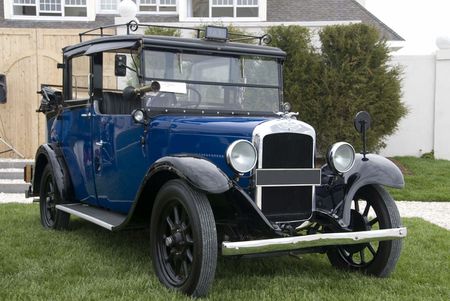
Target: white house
(251,14)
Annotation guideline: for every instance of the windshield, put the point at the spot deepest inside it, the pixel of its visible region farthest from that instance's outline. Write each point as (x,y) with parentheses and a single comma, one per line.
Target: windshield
(212,82)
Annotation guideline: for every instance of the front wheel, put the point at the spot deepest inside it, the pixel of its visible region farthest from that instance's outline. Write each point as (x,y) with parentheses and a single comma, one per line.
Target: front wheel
(372,209)
(183,239)
(51,218)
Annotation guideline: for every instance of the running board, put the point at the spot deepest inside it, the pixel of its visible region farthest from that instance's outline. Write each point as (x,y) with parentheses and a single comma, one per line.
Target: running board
(101,217)
(309,241)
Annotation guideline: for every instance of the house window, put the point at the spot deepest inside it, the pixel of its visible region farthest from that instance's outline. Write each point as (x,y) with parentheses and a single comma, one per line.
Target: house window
(24,7)
(157,5)
(50,8)
(75,8)
(247,8)
(108,5)
(223,8)
(143,5)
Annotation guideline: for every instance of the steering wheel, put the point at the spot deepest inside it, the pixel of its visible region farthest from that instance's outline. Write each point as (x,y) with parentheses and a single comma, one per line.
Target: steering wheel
(163,99)
(199,96)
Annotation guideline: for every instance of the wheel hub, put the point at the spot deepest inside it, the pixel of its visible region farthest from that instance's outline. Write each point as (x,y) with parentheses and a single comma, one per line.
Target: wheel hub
(176,239)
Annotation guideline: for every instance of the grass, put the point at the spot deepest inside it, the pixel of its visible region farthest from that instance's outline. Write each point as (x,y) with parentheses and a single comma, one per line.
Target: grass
(426,179)
(89,263)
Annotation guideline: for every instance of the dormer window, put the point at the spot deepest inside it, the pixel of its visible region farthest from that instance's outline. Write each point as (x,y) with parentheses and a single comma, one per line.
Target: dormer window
(49,8)
(144,6)
(157,5)
(223,8)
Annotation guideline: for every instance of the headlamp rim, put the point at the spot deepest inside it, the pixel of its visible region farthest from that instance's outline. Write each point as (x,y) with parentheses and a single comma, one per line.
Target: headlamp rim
(229,152)
(333,150)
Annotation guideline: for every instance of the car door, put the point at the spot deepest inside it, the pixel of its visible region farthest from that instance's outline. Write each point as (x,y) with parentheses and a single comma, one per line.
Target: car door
(120,160)
(75,129)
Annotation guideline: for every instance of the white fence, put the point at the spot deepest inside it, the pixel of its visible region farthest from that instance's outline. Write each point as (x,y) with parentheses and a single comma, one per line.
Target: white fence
(426,93)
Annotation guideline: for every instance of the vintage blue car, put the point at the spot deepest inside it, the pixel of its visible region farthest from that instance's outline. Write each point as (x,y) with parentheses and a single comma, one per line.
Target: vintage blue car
(191,138)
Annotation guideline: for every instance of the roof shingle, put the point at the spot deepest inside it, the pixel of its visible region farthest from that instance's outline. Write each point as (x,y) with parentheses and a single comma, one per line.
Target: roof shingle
(326,10)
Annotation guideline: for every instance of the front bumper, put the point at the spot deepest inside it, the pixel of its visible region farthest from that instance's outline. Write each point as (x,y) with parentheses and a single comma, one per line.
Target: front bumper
(308,241)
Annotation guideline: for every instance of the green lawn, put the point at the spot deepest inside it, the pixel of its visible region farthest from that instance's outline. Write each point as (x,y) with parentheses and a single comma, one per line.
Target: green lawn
(90,263)
(426,180)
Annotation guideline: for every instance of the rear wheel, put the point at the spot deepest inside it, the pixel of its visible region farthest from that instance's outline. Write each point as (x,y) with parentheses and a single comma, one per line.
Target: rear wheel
(372,209)
(183,239)
(51,218)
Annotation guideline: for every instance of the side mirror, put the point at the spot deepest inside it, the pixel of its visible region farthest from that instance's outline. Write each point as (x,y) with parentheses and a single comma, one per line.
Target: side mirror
(362,123)
(3,90)
(120,65)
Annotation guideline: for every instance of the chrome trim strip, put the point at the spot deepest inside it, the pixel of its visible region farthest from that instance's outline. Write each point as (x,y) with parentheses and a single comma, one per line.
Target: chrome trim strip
(313,175)
(308,241)
(85,216)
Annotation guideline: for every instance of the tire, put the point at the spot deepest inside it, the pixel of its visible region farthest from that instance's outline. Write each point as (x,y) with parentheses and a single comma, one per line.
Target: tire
(375,258)
(183,239)
(51,218)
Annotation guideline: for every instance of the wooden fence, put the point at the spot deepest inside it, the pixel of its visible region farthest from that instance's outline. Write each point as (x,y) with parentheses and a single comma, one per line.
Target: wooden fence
(28,59)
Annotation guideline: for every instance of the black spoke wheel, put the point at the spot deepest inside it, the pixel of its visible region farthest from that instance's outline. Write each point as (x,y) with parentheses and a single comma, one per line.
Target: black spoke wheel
(51,218)
(372,209)
(183,239)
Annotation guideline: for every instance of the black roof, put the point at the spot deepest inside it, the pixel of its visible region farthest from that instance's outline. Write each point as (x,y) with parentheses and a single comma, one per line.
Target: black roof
(166,42)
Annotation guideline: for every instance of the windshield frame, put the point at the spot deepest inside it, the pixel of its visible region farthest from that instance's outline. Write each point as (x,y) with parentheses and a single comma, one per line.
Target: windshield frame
(207,111)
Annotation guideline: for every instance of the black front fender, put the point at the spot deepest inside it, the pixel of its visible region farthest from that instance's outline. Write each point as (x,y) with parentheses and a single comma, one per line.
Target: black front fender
(376,170)
(50,154)
(202,175)
(198,172)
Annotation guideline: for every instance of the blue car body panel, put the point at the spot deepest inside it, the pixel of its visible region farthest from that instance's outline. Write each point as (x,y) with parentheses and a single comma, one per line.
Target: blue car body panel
(72,130)
(120,160)
(107,167)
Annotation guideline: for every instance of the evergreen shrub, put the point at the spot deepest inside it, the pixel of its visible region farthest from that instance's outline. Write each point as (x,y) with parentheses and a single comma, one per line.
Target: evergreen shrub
(349,73)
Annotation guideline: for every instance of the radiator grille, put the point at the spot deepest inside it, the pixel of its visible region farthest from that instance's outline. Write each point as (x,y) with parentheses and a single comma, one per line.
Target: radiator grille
(287,150)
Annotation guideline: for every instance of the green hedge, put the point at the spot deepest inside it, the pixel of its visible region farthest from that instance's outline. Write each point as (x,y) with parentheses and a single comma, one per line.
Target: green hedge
(349,73)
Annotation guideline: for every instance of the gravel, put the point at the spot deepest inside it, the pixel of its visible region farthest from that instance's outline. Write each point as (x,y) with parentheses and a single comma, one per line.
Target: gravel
(14,198)
(434,212)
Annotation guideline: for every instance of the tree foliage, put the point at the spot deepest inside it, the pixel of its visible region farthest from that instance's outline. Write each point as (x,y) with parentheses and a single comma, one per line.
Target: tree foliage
(161,31)
(350,73)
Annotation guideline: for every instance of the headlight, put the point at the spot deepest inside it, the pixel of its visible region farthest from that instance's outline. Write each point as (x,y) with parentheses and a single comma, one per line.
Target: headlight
(138,116)
(241,155)
(341,157)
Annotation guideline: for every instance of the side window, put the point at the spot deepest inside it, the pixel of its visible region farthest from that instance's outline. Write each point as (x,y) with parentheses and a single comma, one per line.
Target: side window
(112,102)
(118,83)
(80,67)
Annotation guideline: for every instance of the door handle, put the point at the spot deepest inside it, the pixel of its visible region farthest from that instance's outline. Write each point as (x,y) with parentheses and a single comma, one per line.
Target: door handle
(86,115)
(99,143)
(97,165)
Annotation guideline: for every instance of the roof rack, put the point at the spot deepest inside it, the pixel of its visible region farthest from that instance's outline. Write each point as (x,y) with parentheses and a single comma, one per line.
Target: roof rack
(133,26)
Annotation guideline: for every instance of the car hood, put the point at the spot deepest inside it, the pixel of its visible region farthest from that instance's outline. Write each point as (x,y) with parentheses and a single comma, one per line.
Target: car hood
(203,136)
(238,127)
